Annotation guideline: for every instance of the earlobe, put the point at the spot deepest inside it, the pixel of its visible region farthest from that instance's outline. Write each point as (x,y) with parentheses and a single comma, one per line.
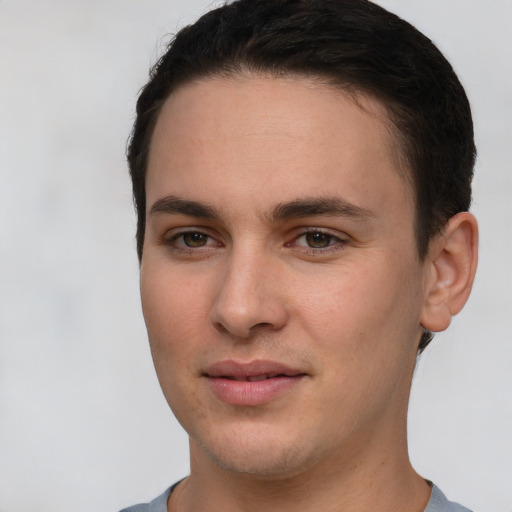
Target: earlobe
(451,266)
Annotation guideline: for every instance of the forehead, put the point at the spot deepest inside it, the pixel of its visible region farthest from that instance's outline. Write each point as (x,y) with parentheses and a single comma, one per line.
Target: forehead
(278,136)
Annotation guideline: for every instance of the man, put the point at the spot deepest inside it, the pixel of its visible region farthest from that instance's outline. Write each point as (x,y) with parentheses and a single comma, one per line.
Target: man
(302,173)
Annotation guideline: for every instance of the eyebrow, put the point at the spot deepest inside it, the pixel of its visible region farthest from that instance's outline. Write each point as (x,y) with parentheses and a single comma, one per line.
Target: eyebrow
(327,206)
(176,205)
(304,207)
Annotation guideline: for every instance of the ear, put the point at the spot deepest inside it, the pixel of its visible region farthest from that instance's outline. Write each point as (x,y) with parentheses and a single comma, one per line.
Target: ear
(450,266)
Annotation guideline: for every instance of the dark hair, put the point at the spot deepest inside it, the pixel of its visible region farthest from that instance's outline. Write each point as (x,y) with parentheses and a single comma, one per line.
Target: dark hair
(353,44)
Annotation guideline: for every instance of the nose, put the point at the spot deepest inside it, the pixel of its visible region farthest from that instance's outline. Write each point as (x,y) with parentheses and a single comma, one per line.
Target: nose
(250,296)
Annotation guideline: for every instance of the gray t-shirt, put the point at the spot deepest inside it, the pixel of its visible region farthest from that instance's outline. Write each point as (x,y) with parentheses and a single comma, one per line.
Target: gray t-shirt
(437,503)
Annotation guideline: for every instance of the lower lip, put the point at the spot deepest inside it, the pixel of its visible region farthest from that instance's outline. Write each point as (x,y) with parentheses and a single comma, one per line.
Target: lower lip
(248,393)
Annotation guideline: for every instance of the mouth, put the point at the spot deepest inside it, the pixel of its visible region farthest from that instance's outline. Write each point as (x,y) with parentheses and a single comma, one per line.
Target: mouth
(251,384)
(253,371)
(257,378)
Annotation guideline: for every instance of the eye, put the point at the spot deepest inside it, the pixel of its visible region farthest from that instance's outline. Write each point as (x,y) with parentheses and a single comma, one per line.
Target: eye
(316,240)
(194,239)
(190,240)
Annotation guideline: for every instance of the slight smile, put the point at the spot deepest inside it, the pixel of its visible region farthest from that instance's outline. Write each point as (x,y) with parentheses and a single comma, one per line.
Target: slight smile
(251,384)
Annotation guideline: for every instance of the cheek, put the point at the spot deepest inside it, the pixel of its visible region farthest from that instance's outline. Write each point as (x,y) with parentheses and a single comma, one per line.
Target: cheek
(364,330)
(361,309)
(172,312)
(171,300)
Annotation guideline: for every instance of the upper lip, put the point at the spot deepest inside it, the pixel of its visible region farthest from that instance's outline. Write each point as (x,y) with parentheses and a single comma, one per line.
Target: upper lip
(258,368)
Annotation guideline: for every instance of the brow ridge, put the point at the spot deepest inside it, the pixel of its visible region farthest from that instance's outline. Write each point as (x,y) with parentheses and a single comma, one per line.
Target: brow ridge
(176,205)
(313,206)
(298,208)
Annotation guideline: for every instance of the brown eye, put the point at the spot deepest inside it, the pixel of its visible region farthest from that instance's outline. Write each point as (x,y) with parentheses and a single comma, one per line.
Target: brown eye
(318,240)
(195,239)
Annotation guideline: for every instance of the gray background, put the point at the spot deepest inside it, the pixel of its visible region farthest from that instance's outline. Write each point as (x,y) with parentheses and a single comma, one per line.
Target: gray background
(83,425)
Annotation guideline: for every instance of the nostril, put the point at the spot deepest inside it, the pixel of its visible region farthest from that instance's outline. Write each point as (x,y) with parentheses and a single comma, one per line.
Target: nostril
(243,308)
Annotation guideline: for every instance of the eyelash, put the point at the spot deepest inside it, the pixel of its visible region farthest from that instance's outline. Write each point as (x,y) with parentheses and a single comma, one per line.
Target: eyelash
(334,243)
(173,242)
(177,243)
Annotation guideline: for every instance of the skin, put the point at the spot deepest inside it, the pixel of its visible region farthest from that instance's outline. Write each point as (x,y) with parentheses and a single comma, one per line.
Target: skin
(338,294)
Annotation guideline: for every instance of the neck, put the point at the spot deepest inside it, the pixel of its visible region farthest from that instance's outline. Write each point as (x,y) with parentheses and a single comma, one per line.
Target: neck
(356,482)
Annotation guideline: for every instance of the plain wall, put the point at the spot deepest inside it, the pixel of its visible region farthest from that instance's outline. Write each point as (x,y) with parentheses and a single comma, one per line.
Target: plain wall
(83,424)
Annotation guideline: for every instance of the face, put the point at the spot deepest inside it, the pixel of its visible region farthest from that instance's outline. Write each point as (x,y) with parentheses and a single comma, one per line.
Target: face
(280,281)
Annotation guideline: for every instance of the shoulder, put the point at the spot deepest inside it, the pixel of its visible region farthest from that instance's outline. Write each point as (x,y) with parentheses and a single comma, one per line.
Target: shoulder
(157,505)
(439,503)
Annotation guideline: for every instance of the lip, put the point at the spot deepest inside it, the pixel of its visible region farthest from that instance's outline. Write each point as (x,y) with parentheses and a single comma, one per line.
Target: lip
(251,384)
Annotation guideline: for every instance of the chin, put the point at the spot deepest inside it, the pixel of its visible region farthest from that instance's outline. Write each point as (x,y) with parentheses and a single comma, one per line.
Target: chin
(257,464)
(254,455)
